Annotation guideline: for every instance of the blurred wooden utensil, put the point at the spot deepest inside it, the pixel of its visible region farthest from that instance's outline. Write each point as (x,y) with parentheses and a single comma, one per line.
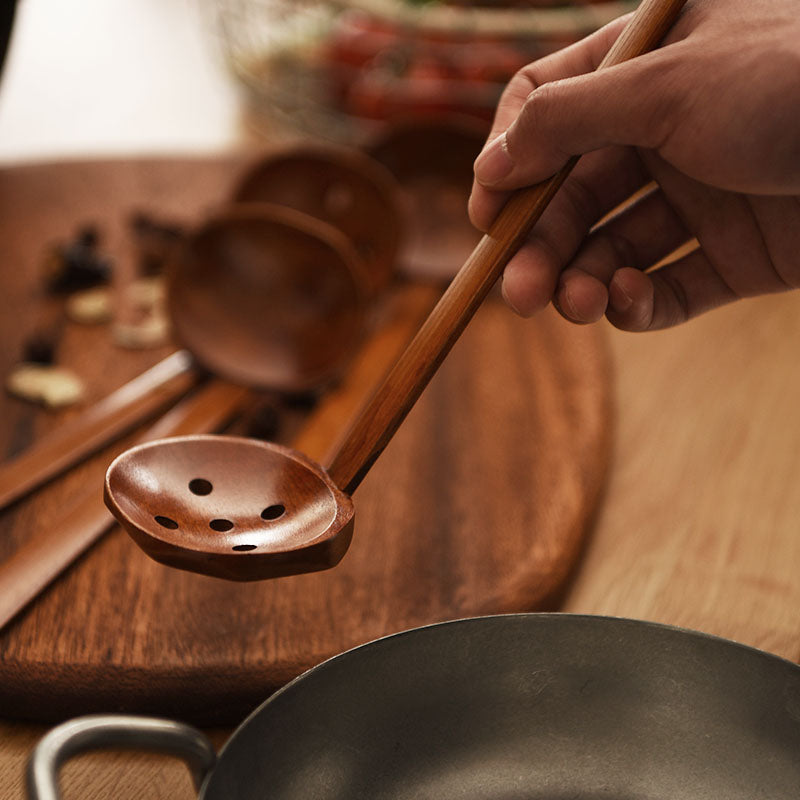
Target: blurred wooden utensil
(98,425)
(46,553)
(268,297)
(340,186)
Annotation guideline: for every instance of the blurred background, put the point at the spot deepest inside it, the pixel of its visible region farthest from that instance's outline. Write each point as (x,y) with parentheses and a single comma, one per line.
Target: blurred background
(108,77)
(99,77)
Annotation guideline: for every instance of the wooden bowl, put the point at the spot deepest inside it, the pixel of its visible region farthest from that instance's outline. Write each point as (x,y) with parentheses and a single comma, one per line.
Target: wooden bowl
(268,297)
(432,161)
(342,187)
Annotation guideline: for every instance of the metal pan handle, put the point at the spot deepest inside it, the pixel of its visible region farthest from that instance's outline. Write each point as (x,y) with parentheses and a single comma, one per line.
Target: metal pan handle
(100,731)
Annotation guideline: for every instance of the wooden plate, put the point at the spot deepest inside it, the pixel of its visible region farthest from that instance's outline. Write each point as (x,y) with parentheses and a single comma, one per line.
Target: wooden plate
(480,504)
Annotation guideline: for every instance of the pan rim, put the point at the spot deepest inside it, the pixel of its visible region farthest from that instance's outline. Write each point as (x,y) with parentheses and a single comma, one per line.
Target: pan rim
(576,618)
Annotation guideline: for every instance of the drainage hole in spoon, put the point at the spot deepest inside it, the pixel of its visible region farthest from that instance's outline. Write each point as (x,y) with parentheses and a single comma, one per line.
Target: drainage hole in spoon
(273,512)
(220,525)
(243,547)
(200,486)
(166,522)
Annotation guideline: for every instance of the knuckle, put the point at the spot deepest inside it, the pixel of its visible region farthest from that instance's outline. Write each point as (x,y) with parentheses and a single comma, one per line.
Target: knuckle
(661,117)
(539,102)
(534,126)
(523,82)
(531,75)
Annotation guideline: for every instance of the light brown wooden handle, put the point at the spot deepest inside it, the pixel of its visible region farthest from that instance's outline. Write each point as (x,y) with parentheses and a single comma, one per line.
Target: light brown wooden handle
(373,430)
(98,425)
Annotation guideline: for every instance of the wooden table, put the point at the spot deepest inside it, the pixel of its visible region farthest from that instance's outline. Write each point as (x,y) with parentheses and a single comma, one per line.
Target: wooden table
(700,525)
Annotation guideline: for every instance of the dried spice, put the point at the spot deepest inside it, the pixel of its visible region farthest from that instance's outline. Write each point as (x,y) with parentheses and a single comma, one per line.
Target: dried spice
(155,241)
(40,348)
(53,387)
(152,331)
(90,307)
(146,323)
(77,264)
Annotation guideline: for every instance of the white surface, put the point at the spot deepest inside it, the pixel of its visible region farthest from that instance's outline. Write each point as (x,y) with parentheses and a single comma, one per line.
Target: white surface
(115,77)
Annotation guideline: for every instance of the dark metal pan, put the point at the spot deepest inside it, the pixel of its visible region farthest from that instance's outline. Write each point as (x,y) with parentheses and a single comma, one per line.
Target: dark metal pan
(536,706)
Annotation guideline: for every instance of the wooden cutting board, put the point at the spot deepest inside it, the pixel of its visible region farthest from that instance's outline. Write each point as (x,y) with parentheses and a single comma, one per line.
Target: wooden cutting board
(481,504)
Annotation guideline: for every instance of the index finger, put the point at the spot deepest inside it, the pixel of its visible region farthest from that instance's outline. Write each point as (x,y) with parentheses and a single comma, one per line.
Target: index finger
(576,59)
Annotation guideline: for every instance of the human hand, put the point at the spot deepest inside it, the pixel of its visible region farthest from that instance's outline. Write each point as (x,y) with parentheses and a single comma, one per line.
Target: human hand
(704,131)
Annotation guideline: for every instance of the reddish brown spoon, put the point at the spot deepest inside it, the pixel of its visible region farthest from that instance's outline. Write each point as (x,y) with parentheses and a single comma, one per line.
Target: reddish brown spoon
(432,162)
(268,297)
(243,509)
(340,186)
(232,507)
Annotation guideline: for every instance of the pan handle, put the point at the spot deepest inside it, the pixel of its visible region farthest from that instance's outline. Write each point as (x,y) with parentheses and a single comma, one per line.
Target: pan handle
(100,731)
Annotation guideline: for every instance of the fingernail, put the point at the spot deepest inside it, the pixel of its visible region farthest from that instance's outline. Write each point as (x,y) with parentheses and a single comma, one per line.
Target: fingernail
(494,163)
(507,301)
(619,299)
(565,304)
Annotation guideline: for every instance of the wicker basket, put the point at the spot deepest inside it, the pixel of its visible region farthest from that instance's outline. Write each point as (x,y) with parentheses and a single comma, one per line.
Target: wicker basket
(341,68)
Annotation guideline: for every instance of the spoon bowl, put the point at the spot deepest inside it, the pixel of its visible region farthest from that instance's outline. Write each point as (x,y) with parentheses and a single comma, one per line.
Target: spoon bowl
(268,297)
(342,187)
(230,507)
(432,159)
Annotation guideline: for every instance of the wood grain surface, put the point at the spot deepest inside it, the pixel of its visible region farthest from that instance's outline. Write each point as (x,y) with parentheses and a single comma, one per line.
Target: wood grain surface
(480,505)
(698,525)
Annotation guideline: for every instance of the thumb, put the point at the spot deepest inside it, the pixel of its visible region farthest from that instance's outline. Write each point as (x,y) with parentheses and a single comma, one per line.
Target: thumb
(628,104)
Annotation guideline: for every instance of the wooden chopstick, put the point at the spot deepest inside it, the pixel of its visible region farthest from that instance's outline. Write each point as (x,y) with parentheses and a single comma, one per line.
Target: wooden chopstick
(99,425)
(46,553)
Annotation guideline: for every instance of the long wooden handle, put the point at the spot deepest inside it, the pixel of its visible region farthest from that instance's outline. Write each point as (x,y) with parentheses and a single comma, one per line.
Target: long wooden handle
(96,427)
(48,552)
(401,312)
(372,431)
